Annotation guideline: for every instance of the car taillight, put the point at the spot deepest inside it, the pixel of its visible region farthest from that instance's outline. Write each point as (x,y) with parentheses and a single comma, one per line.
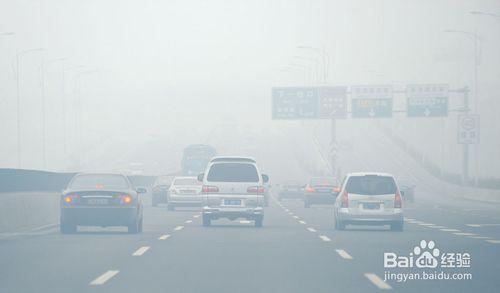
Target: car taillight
(398,203)
(126,199)
(70,198)
(344,200)
(336,189)
(309,189)
(256,189)
(209,189)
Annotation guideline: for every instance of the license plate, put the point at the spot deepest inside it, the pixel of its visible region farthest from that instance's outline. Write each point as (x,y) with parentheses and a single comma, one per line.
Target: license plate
(97,201)
(371,206)
(232,202)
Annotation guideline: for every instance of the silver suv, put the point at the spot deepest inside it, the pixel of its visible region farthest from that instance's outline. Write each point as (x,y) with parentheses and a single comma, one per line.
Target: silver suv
(233,188)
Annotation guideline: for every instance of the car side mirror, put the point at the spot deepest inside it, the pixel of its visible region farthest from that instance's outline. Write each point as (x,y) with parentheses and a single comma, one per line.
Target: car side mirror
(141,190)
(200,177)
(265,178)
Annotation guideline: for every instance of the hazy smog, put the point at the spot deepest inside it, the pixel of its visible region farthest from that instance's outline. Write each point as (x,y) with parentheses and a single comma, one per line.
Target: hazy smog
(249,146)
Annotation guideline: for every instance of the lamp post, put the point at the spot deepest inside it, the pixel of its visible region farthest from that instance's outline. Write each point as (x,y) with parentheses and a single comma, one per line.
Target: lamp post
(19,55)
(324,57)
(316,63)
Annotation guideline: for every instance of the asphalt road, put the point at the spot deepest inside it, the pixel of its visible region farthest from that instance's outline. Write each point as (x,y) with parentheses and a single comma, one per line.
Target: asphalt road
(297,250)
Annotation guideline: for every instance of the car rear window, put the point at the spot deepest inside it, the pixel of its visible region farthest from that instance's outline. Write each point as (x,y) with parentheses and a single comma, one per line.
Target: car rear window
(371,185)
(99,182)
(186,181)
(326,181)
(233,172)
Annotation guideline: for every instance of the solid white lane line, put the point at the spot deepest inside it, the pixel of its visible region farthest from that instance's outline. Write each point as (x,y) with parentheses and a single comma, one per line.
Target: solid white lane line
(325,238)
(479,237)
(163,237)
(464,234)
(377,281)
(104,278)
(311,229)
(302,222)
(495,241)
(295,217)
(140,251)
(188,221)
(178,228)
(343,254)
(450,230)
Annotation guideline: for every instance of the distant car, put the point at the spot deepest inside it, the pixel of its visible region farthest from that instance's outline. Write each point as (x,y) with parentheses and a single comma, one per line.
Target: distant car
(184,191)
(291,189)
(407,188)
(233,188)
(95,199)
(160,190)
(320,190)
(369,199)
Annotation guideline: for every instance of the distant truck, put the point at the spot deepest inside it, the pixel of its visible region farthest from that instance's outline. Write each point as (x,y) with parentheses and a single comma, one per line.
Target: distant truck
(195,159)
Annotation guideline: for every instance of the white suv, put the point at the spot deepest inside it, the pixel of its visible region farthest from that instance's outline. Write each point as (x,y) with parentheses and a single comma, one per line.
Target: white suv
(233,188)
(369,199)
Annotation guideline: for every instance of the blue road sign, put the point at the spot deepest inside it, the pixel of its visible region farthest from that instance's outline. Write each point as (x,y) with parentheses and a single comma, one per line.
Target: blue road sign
(427,100)
(295,102)
(371,101)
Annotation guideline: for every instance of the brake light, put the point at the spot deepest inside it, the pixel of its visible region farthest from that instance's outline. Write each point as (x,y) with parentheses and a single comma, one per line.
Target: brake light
(309,189)
(398,203)
(336,189)
(344,200)
(209,189)
(70,198)
(126,199)
(256,189)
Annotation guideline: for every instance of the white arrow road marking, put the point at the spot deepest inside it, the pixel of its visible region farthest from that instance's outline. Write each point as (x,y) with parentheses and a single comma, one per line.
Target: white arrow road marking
(104,278)
(140,251)
(325,238)
(377,281)
(178,228)
(343,254)
(311,229)
(163,237)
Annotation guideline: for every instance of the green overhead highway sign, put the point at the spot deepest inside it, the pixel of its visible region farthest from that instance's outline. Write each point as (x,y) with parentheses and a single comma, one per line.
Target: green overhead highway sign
(427,100)
(295,102)
(371,101)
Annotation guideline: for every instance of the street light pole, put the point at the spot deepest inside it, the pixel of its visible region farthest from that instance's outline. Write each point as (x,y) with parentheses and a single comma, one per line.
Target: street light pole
(19,54)
(316,62)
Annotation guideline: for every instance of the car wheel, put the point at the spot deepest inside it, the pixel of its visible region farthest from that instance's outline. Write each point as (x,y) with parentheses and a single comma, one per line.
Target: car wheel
(170,207)
(134,227)
(397,226)
(259,222)
(206,221)
(67,228)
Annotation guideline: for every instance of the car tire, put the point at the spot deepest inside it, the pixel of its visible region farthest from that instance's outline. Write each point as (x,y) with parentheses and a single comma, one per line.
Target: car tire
(67,228)
(170,207)
(397,226)
(259,222)
(133,228)
(206,221)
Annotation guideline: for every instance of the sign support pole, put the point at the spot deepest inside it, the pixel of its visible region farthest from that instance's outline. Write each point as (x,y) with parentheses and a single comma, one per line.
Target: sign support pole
(465,158)
(333,142)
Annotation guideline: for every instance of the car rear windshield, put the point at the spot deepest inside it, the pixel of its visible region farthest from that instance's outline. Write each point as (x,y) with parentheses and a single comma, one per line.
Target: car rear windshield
(186,181)
(326,181)
(371,185)
(233,172)
(99,182)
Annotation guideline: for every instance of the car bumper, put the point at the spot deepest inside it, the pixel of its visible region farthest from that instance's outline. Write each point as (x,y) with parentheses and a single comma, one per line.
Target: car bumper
(291,194)
(103,216)
(185,200)
(348,217)
(319,198)
(160,197)
(232,213)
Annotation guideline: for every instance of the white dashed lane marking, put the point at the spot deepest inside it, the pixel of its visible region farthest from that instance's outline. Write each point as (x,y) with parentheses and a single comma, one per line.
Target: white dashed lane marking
(140,251)
(377,281)
(464,234)
(295,217)
(188,221)
(450,230)
(178,228)
(311,229)
(495,241)
(163,237)
(343,254)
(104,278)
(245,222)
(325,238)
(302,222)
(196,216)
(479,237)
